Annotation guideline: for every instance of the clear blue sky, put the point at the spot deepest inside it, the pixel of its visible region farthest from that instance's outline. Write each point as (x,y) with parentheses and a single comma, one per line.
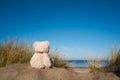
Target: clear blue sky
(78,28)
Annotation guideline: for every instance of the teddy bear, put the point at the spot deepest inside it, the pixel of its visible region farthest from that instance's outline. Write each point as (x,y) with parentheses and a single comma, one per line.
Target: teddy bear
(41,59)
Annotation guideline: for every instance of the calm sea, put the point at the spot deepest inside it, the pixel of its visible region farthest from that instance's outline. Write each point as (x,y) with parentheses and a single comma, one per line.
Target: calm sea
(83,63)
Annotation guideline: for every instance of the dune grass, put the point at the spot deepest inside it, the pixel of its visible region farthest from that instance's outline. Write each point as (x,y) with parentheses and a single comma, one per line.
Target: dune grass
(94,65)
(13,51)
(58,60)
(114,61)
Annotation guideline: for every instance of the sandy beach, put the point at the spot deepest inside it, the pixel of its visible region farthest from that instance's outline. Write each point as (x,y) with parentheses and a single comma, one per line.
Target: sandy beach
(84,74)
(25,72)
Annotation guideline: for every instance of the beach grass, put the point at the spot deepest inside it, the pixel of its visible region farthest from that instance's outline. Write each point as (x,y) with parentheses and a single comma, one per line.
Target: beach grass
(58,60)
(14,52)
(94,65)
(114,61)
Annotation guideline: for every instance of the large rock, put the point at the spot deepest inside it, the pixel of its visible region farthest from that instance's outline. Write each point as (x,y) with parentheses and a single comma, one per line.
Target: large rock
(25,72)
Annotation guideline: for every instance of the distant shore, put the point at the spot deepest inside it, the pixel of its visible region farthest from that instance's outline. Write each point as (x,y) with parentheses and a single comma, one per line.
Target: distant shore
(82,63)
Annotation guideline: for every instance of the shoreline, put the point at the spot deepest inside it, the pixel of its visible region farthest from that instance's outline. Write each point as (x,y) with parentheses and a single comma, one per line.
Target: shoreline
(79,67)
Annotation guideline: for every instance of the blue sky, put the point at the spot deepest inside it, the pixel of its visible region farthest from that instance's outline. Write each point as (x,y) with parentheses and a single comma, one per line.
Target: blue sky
(80,29)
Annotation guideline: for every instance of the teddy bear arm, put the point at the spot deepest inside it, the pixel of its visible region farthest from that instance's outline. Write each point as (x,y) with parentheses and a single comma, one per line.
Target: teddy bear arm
(47,61)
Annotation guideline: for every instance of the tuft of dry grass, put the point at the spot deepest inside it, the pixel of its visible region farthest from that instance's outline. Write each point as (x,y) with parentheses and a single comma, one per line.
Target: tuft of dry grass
(94,65)
(114,61)
(14,52)
(58,60)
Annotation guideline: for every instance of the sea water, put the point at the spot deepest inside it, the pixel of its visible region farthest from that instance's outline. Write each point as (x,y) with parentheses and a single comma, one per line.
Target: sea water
(83,63)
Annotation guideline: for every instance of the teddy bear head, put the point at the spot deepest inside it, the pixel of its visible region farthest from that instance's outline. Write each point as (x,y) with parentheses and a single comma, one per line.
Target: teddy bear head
(42,47)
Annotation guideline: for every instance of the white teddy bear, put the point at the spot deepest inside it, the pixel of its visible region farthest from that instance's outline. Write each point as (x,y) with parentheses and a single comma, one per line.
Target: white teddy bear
(40,59)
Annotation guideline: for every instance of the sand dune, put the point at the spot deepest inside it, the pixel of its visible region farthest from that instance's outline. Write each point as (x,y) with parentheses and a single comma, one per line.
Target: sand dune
(25,72)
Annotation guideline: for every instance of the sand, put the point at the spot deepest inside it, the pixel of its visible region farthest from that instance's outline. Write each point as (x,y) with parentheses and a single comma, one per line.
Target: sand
(25,72)
(84,74)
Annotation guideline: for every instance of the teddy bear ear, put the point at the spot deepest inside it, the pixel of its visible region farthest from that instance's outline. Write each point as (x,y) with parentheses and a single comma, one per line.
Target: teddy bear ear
(35,43)
(47,42)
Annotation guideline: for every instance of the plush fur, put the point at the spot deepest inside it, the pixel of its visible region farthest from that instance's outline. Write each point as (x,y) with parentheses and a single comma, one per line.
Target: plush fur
(40,59)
